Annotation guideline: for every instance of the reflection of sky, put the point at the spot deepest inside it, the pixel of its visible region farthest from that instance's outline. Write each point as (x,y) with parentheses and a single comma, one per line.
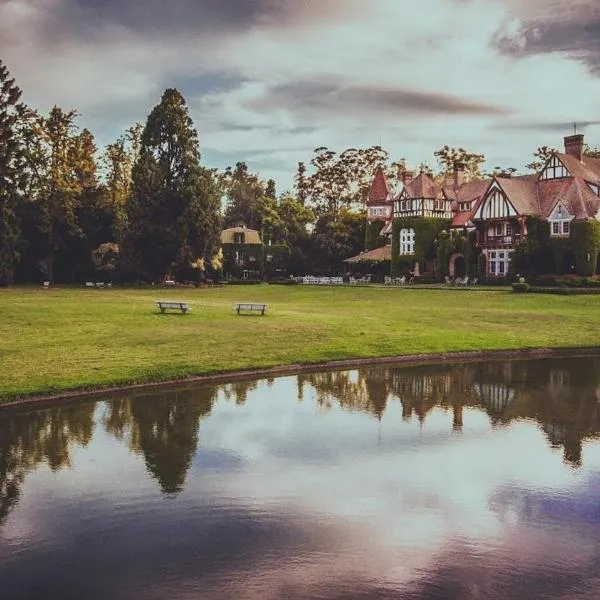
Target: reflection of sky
(284,499)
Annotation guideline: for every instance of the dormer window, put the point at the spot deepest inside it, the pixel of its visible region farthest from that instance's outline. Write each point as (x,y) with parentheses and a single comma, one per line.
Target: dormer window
(560,222)
(554,169)
(595,189)
(238,238)
(464,206)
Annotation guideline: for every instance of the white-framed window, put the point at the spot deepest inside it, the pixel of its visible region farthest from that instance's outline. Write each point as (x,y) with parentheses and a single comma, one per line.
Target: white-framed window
(501,228)
(407,241)
(403,205)
(499,262)
(560,227)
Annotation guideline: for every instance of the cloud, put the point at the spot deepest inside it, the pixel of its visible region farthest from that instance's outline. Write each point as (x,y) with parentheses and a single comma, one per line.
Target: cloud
(269,80)
(556,127)
(215,17)
(571,29)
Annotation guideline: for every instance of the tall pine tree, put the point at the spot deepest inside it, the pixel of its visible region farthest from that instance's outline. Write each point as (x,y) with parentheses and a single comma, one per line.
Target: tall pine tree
(12,173)
(173,213)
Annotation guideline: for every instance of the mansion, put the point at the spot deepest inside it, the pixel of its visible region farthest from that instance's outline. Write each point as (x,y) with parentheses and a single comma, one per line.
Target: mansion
(497,216)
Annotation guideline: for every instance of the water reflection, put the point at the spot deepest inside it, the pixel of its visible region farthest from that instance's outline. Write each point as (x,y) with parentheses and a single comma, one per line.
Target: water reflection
(278,488)
(44,436)
(561,395)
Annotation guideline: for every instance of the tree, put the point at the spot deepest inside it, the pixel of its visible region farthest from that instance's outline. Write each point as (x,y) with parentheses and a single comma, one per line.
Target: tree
(244,193)
(271,191)
(301,183)
(118,160)
(342,182)
(360,166)
(61,182)
(12,173)
(591,152)
(295,219)
(335,238)
(541,156)
(173,213)
(451,158)
(500,172)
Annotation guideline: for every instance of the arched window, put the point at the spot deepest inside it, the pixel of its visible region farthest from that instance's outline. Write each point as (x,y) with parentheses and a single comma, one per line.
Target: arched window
(407,241)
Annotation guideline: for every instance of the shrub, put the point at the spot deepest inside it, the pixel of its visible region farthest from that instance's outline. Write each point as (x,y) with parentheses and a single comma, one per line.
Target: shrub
(520,287)
(243,281)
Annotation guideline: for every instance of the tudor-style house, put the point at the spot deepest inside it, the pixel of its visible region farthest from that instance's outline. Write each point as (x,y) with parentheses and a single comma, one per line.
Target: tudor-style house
(567,189)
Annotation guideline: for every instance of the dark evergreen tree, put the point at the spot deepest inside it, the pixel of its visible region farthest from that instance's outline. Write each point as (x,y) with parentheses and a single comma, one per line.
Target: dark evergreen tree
(244,194)
(12,173)
(173,213)
(271,191)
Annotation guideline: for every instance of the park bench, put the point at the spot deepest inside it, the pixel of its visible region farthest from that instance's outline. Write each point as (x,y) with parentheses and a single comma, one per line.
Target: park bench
(250,307)
(164,305)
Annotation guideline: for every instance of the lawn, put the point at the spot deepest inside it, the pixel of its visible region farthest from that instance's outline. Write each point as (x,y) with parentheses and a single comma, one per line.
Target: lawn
(66,338)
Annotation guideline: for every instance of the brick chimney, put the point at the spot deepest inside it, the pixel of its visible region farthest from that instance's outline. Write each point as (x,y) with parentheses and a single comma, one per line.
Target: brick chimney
(407,177)
(459,175)
(574,145)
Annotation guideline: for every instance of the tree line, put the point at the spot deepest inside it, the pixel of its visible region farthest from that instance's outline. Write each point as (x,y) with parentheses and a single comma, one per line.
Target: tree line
(145,207)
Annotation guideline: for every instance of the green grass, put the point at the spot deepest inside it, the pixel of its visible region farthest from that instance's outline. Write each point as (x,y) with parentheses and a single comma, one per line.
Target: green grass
(67,338)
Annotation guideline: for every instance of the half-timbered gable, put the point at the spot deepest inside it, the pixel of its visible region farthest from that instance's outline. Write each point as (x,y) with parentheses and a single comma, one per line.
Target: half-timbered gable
(422,197)
(554,169)
(495,205)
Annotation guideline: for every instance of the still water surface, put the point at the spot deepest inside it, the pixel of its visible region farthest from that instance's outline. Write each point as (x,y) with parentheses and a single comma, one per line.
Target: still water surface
(479,480)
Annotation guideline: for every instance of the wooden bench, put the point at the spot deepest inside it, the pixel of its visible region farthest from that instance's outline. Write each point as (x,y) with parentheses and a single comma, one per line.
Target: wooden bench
(250,307)
(164,305)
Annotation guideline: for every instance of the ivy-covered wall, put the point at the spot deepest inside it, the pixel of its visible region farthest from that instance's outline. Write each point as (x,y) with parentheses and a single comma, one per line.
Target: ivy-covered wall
(585,243)
(464,243)
(276,260)
(541,254)
(427,230)
(372,237)
(254,259)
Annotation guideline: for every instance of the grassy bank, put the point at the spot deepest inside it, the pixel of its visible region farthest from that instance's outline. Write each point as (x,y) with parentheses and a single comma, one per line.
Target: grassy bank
(72,338)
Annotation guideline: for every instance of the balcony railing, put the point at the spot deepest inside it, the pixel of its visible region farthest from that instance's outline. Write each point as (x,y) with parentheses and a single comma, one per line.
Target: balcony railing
(502,240)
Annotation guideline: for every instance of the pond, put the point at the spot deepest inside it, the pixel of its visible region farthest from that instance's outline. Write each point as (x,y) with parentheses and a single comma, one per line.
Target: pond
(475,480)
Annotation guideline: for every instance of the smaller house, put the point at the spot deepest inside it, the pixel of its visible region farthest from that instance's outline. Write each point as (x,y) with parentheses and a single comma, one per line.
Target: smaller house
(242,252)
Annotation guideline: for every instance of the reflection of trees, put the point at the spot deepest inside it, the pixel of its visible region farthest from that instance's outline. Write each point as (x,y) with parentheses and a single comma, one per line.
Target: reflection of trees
(366,392)
(44,436)
(238,390)
(562,395)
(163,427)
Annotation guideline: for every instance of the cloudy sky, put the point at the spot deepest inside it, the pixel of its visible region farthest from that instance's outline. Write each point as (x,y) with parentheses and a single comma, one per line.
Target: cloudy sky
(267,81)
